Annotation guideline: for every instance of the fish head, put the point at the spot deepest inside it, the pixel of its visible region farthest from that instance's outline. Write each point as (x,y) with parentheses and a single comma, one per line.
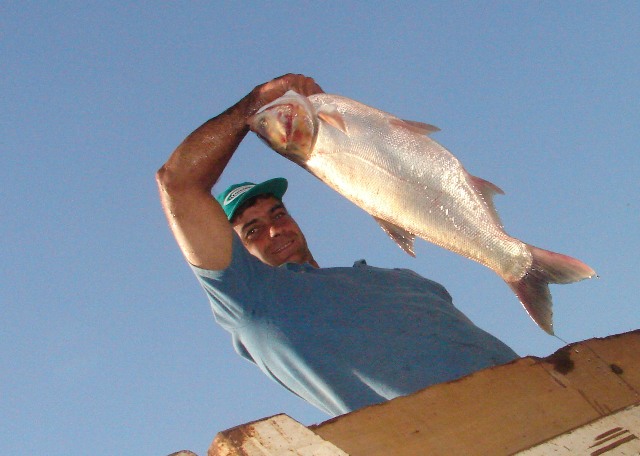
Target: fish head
(288,125)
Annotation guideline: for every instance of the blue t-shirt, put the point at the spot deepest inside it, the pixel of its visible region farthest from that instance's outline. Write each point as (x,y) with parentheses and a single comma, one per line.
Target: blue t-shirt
(346,337)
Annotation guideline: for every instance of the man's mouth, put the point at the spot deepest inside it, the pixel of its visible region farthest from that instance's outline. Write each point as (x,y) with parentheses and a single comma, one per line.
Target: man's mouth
(282,247)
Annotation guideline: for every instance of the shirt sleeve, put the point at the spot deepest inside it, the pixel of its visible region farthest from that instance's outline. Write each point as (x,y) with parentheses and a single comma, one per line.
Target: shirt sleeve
(235,292)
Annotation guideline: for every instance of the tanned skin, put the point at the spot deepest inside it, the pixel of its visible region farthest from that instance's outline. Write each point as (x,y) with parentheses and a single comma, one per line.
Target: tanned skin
(270,234)
(185,181)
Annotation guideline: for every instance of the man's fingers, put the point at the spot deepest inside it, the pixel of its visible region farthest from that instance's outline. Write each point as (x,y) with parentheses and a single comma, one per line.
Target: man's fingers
(269,91)
(297,82)
(303,85)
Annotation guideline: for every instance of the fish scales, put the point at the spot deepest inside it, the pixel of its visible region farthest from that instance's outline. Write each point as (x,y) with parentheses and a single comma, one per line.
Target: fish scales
(412,186)
(412,181)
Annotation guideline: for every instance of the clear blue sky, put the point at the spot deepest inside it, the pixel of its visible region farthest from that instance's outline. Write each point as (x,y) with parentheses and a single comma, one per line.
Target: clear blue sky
(108,344)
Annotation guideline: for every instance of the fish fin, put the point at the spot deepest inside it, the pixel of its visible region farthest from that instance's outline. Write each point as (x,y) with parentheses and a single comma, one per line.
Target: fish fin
(330,115)
(402,237)
(416,127)
(533,289)
(487,191)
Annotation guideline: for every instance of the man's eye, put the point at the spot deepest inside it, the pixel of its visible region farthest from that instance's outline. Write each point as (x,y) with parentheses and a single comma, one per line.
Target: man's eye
(252,233)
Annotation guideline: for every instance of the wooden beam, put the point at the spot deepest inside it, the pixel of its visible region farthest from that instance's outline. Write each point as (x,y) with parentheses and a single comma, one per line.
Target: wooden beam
(501,410)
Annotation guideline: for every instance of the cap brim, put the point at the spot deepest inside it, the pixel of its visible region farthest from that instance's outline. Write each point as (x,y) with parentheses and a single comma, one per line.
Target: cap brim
(276,187)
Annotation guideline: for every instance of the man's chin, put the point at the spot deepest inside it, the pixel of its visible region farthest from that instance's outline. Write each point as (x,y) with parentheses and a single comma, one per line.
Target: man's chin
(292,257)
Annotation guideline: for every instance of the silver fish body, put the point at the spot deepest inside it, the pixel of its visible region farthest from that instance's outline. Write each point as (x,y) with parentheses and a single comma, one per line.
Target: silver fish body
(412,186)
(408,180)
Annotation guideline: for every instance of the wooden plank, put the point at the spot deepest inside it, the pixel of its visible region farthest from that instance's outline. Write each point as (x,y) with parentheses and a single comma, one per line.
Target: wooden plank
(275,436)
(615,434)
(619,351)
(501,410)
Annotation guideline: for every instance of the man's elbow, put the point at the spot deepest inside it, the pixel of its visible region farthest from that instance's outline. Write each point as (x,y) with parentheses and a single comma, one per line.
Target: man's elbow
(177,190)
(173,189)
(168,181)
(161,176)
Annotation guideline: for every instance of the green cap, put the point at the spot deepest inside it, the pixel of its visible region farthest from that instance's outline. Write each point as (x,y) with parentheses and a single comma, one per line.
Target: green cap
(236,194)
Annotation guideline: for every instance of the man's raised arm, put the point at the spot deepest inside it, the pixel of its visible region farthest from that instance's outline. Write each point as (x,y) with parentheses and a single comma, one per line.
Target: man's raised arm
(186,179)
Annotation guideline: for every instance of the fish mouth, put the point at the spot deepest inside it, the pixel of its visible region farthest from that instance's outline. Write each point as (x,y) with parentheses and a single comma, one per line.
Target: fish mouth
(287,125)
(274,125)
(285,116)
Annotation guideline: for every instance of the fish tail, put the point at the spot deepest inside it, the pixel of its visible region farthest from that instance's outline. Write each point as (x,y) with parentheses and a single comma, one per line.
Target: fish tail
(533,289)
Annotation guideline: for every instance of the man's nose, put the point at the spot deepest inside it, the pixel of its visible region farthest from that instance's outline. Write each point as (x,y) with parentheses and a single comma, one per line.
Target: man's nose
(274,230)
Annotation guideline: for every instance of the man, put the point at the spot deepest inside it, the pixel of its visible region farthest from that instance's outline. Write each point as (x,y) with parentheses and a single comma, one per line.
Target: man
(340,338)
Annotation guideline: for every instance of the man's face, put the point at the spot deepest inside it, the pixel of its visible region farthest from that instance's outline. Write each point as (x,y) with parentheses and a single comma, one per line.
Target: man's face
(269,233)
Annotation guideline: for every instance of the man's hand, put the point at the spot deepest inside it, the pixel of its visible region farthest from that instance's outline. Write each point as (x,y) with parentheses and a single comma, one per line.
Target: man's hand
(269,91)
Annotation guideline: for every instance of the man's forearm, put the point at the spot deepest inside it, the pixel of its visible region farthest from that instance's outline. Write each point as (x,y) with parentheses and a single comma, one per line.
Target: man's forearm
(201,158)
(185,181)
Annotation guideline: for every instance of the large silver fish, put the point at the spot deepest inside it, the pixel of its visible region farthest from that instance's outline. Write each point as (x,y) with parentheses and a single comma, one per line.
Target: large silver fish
(413,187)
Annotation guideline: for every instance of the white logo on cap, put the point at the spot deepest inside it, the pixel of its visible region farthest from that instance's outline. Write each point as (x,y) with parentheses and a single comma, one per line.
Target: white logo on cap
(236,192)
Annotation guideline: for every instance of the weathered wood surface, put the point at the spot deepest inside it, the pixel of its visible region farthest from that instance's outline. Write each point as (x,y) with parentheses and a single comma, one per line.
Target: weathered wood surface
(583,399)
(502,410)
